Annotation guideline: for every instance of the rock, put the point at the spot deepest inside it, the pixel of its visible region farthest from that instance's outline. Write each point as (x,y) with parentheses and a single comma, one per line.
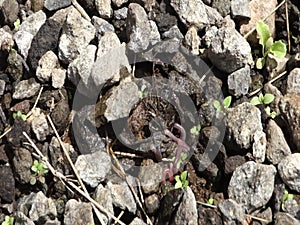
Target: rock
(77,213)
(6,40)
(259,146)
(152,203)
(150,176)
(277,147)
(289,171)
(266,214)
(103,197)
(291,206)
(119,3)
(121,14)
(80,70)
(9,11)
(240,9)
(137,221)
(232,162)
(39,125)
(275,65)
(209,216)
(22,162)
(60,115)
(23,40)
(293,82)
(53,222)
(239,82)
(173,32)
(52,5)
(286,219)
(121,194)
(58,77)
(76,36)
(3,156)
(232,212)
(2,87)
(37,5)
(101,26)
(26,89)
(7,184)
(192,40)
(252,184)
(104,8)
(46,64)
(191,12)
(187,213)
(222,6)
(15,136)
(33,23)
(289,107)
(242,122)
(15,66)
(37,207)
(258,11)
(227,49)
(21,219)
(93,168)
(140,31)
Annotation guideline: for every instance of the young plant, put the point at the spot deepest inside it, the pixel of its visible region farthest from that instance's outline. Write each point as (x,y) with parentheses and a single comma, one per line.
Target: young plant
(210,201)
(40,170)
(181,181)
(286,196)
(19,115)
(270,113)
(225,105)
(143,92)
(195,130)
(262,99)
(277,48)
(9,220)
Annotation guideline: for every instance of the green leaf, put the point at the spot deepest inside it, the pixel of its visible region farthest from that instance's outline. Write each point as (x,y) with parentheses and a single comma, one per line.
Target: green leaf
(42,180)
(195,129)
(17,24)
(268,45)
(32,180)
(255,101)
(177,178)
(185,183)
(23,117)
(217,105)
(278,49)
(268,98)
(273,114)
(290,196)
(261,98)
(178,185)
(227,102)
(14,115)
(184,156)
(183,175)
(268,110)
(260,62)
(210,201)
(263,32)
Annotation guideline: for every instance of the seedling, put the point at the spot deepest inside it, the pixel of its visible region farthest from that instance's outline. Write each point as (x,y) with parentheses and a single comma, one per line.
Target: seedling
(143,93)
(262,99)
(277,48)
(225,105)
(270,113)
(9,220)
(286,196)
(19,115)
(210,201)
(181,181)
(17,24)
(40,170)
(195,130)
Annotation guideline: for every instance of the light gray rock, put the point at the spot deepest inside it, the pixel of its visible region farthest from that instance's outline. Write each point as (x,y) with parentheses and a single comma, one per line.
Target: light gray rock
(277,147)
(58,77)
(46,64)
(152,203)
(21,219)
(23,40)
(2,87)
(54,5)
(293,82)
(76,35)
(191,12)
(119,3)
(33,23)
(26,89)
(291,206)
(228,50)
(240,9)
(93,168)
(252,184)
(104,8)
(121,194)
(239,81)
(39,125)
(173,32)
(289,171)
(121,14)
(37,206)
(222,6)
(140,31)
(137,221)
(9,10)
(192,40)
(242,122)
(77,213)
(187,213)
(259,146)
(232,212)
(101,26)
(286,219)
(22,163)
(289,107)
(6,39)
(150,176)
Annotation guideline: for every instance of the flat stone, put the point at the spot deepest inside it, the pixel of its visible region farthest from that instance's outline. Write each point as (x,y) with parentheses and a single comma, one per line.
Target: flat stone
(93,168)
(259,146)
(239,81)
(119,3)
(15,66)
(21,219)
(232,212)
(26,89)
(9,11)
(46,64)
(22,162)
(39,125)
(121,14)
(33,23)
(293,82)
(23,40)
(286,219)
(104,8)
(7,184)
(2,87)
(192,40)
(222,6)
(152,203)
(277,147)
(101,26)
(252,184)
(240,9)
(58,76)
(78,213)
(289,171)
(173,32)
(54,5)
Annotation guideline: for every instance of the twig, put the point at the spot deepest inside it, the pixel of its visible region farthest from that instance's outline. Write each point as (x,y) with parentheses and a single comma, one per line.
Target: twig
(81,10)
(119,217)
(266,17)
(6,132)
(35,103)
(206,204)
(287,26)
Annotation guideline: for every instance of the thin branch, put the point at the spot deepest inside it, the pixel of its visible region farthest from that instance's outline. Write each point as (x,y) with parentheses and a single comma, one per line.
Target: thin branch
(35,103)
(81,10)
(287,26)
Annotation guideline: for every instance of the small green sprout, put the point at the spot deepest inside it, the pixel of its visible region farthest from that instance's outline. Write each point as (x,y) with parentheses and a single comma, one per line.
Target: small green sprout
(221,107)
(195,130)
(210,201)
(277,48)
(183,158)
(181,181)
(9,220)
(286,196)
(39,169)
(143,93)
(17,24)
(262,99)
(19,115)
(270,113)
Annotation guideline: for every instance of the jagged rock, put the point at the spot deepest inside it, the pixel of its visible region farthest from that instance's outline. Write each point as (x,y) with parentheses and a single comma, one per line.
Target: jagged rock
(77,213)
(26,89)
(239,82)
(52,5)
(104,8)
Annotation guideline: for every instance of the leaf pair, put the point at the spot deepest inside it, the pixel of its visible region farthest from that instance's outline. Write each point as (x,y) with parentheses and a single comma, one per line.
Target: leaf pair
(225,105)
(181,181)
(262,99)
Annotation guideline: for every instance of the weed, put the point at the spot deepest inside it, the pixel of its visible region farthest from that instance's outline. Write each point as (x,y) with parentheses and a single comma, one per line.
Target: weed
(286,196)
(181,181)
(225,105)
(195,130)
(210,201)
(40,170)
(9,220)
(19,115)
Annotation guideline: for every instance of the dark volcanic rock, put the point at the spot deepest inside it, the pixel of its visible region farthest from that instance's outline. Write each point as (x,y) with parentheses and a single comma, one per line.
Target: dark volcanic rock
(7,184)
